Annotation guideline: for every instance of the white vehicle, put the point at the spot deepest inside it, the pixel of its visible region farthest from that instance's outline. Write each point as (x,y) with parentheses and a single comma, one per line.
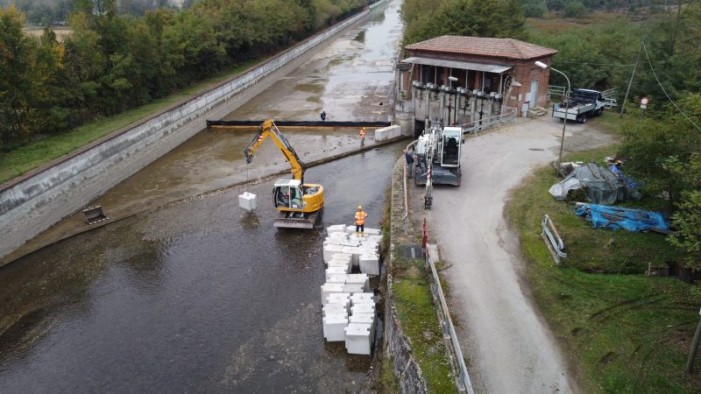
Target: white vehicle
(438,156)
(583,103)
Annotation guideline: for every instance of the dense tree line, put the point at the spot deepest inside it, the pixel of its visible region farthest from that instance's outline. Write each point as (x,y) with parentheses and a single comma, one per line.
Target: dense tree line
(113,62)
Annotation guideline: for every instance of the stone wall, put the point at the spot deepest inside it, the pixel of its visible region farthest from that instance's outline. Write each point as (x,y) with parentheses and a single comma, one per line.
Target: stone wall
(34,202)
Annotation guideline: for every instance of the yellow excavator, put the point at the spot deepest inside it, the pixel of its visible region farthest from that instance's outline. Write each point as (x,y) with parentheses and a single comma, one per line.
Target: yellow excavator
(299,204)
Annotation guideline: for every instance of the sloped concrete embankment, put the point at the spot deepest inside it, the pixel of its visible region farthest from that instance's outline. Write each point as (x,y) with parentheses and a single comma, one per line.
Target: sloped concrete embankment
(34,202)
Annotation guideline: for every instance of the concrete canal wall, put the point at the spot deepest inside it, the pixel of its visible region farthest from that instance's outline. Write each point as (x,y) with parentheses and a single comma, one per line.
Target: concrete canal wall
(34,202)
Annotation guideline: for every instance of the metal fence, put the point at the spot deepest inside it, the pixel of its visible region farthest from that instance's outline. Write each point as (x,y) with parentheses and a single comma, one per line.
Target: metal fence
(552,239)
(507,115)
(464,383)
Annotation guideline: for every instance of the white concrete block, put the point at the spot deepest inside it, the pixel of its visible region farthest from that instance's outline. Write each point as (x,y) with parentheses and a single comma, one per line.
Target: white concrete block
(329,288)
(342,256)
(364,319)
(369,264)
(337,278)
(361,308)
(336,228)
(359,279)
(346,265)
(329,251)
(358,338)
(338,298)
(335,270)
(335,309)
(247,201)
(362,298)
(354,252)
(353,288)
(334,328)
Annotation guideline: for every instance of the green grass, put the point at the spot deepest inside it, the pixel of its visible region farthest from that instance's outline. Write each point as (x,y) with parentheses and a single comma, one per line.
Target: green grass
(625,332)
(42,151)
(415,309)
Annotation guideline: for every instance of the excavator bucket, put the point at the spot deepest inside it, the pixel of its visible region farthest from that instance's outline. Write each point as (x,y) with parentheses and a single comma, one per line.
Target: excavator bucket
(94,214)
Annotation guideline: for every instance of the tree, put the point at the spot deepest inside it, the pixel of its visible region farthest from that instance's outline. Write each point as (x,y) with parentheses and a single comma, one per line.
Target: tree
(17,53)
(687,220)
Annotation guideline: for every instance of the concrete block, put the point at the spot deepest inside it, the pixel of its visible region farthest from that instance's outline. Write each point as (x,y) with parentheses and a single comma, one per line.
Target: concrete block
(338,298)
(336,228)
(247,201)
(329,251)
(335,270)
(362,308)
(358,338)
(353,288)
(335,309)
(354,252)
(346,265)
(364,319)
(342,256)
(359,279)
(362,298)
(334,328)
(337,278)
(329,288)
(369,264)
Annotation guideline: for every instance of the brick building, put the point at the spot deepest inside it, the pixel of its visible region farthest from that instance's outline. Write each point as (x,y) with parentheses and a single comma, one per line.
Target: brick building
(460,80)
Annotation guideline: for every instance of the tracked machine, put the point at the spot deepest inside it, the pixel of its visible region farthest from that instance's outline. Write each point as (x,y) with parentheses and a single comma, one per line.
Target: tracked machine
(299,205)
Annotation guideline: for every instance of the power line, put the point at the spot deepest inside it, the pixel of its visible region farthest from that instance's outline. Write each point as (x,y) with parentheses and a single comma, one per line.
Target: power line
(647,56)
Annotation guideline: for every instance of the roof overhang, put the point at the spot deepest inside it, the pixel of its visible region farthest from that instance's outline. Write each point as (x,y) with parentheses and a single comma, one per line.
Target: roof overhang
(427,61)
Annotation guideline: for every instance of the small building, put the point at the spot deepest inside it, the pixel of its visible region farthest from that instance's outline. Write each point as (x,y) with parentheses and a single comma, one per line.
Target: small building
(463,80)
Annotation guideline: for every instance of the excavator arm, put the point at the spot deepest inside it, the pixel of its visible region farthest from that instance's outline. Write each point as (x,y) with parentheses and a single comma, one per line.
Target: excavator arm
(269,129)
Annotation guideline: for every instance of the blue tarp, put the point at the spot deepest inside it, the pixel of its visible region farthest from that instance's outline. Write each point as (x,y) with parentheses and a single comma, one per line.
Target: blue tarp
(626,218)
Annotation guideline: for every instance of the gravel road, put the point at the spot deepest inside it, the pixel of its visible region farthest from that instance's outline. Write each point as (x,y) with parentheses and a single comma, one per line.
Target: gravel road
(509,346)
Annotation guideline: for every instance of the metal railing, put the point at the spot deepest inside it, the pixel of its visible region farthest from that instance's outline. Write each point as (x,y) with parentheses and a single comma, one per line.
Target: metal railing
(552,239)
(507,115)
(463,377)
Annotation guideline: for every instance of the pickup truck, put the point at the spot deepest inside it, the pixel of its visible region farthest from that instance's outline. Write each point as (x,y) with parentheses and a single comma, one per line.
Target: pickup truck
(583,103)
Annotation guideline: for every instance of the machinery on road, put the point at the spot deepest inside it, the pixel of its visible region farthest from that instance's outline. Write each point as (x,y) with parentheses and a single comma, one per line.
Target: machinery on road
(299,204)
(438,156)
(583,103)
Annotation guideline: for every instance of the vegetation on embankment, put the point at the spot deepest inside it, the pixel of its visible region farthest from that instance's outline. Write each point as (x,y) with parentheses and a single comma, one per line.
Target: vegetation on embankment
(43,150)
(621,330)
(412,295)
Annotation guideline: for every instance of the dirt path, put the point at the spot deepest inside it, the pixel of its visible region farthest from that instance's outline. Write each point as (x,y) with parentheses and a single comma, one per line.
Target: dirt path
(509,346)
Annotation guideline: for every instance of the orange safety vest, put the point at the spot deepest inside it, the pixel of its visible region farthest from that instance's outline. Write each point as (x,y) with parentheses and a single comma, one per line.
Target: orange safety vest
(360,217)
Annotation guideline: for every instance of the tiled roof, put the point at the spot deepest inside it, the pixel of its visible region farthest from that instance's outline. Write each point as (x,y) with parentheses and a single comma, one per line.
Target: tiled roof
(483,46)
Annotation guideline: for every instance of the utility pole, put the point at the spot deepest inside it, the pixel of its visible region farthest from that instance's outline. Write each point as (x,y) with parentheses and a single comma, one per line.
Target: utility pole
(630,83)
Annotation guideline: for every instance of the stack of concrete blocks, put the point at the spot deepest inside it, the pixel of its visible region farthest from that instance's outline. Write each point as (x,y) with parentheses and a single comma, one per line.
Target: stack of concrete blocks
(247,201)
(347,299)
(388,133)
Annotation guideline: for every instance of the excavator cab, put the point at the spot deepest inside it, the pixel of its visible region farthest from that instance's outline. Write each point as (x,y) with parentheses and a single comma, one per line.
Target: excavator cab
(288,194)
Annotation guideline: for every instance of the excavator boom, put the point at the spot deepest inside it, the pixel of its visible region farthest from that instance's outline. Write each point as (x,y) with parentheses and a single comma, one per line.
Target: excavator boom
(269,129)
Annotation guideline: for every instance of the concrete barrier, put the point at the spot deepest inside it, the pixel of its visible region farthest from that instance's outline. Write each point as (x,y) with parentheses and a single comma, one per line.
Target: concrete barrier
(34,202)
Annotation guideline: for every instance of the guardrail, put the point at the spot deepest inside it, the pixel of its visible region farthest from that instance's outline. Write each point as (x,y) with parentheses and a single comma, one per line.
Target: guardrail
(552,239)
(507,115)
(463,381)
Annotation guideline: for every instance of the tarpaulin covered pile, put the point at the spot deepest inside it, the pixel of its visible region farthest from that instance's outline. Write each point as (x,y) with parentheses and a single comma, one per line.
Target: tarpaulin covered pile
(600,184)
(626,218)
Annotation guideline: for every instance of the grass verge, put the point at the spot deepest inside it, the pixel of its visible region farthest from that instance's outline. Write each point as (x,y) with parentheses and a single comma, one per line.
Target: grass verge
(43,150)
(412,295)
(624,332)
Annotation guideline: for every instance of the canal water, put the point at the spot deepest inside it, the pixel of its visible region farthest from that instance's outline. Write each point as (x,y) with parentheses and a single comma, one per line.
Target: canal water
(196,294)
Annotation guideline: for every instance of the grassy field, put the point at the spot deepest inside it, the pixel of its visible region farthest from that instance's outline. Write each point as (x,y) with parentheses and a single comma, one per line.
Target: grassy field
(623,331)
(44,150)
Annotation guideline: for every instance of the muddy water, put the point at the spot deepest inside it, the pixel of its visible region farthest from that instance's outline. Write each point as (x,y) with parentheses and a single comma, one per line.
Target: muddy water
(198,295)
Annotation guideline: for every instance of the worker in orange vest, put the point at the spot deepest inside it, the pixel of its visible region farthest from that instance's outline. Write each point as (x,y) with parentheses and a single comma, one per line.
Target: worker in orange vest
(362,136)
(360,216)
